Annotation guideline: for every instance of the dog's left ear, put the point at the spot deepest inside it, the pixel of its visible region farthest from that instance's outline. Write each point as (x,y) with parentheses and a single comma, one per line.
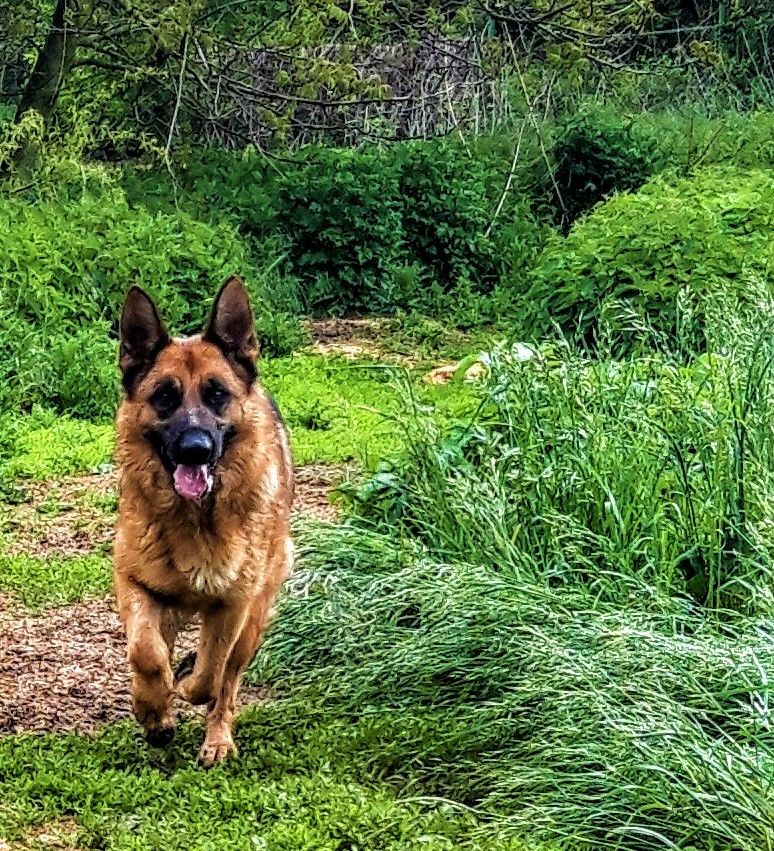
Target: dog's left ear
(232,330)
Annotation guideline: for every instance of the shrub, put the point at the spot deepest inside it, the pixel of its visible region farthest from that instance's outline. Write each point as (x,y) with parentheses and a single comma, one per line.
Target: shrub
(67,263)
(368,229)
(597,152)
(339,214)
(64,269)
(651,260)
(446,212)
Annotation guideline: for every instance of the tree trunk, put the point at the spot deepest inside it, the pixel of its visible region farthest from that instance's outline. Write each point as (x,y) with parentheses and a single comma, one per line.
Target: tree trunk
(51,67)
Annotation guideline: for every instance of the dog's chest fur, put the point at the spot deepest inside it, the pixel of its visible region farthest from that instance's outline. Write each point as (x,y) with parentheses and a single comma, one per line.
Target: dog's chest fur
(209,567)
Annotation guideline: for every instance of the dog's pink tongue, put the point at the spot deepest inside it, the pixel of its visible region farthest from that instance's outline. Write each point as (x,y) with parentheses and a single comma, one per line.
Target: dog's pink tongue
(191,482)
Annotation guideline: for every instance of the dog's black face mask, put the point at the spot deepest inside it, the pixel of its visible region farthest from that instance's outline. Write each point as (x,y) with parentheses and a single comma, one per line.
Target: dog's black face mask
(191,383)
(191,440)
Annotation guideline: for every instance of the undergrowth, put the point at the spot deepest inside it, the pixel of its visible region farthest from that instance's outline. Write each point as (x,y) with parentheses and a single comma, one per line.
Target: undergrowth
(557,715)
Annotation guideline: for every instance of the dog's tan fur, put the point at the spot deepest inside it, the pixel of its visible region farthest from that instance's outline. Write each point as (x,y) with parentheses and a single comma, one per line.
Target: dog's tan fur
(225,557)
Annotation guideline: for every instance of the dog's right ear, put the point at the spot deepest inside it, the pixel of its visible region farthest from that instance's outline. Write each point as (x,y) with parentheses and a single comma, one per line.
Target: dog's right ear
(142,337)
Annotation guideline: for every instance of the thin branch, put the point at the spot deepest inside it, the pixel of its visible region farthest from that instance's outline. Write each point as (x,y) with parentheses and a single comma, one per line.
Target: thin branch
(173,123)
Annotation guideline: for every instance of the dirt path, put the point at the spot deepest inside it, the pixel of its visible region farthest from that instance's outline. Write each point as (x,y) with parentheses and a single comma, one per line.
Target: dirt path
(66,668)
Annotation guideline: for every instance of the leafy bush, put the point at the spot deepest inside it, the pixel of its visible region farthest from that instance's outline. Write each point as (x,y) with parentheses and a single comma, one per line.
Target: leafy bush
(340,215)
(63,264)
(64,268)
(651,260)
(446,212)
(597,152)
(369,229)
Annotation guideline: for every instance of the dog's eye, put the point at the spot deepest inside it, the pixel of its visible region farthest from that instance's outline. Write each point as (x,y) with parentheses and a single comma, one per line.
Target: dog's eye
(166,399)
(215,396)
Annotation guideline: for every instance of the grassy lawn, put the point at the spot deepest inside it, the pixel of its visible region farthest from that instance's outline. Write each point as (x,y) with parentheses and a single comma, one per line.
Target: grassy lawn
(300,784)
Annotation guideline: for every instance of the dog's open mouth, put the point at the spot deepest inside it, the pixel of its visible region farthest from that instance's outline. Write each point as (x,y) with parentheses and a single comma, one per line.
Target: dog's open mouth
(192,482)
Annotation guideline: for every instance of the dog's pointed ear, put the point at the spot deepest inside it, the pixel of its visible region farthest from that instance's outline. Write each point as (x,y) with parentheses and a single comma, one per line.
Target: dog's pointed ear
(232,329)
(142,337)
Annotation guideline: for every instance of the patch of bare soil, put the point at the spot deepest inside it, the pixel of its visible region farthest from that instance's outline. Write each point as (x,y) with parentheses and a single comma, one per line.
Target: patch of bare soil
(66,669)
(60,835)
(314,483)
(67,517)
(352,338)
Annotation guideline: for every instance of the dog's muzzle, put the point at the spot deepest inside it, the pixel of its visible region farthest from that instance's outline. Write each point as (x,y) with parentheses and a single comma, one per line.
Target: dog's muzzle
(193,455)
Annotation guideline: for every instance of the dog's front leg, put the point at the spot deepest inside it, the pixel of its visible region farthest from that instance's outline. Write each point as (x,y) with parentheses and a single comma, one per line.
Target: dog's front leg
(221,627)
(149,635)
(220,632)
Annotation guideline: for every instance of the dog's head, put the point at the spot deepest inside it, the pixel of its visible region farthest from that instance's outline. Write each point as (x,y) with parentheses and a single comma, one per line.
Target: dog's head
(188,394)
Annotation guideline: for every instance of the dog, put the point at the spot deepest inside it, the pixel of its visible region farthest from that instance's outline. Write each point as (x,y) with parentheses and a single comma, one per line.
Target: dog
(205,493)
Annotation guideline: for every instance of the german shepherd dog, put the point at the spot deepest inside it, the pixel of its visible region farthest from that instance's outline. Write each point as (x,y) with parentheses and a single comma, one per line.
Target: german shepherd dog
(205,491)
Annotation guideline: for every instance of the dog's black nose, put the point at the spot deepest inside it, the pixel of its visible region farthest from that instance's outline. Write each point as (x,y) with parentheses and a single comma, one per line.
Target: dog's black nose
(194,447)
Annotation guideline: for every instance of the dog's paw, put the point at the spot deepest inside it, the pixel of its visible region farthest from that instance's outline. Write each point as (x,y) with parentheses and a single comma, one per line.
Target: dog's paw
(159,732)
(217,750)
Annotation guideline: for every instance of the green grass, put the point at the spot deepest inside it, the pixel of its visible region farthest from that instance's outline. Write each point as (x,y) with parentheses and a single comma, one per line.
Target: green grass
(603,725)
(54,580)
(338,410)
(45,445)
(547,619)
(298,786)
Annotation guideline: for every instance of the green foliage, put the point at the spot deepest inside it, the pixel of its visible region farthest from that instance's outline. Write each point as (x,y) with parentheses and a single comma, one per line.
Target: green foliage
(563,718)
(598,152)
(412,226)
(446,213)
(310,797)
(575,472)
(340,214)
(69,263)
(54,580)
(65,265)
(650,262)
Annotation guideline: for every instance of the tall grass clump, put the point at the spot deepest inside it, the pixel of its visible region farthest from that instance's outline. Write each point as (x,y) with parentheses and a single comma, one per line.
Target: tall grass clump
(608,474)
(558,612)
(550,713)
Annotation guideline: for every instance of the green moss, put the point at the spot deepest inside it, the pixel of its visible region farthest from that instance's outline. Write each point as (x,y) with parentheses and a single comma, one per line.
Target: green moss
(60,448)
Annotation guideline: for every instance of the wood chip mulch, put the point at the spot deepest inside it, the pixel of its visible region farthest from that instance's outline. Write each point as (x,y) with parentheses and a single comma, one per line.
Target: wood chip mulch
(66,669)
(67,517)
